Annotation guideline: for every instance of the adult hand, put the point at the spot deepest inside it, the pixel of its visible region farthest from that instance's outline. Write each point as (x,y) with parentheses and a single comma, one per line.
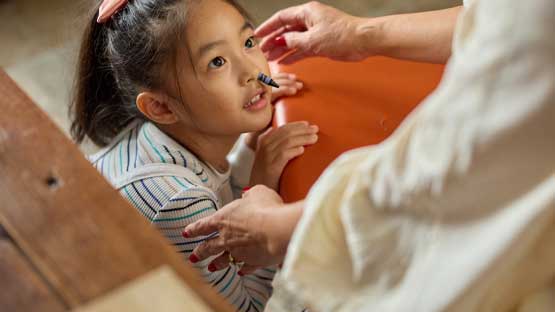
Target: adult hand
(245,229)
(312,29)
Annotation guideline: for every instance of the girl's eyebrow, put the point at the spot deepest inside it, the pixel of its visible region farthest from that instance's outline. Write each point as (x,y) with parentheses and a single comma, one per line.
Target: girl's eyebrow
(209,46)
(247,25)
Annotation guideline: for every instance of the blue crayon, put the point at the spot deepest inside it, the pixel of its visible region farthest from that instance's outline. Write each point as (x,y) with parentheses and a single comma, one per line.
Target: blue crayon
(267,80)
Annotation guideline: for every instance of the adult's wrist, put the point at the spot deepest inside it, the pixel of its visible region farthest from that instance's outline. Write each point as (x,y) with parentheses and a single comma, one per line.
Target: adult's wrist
(370,37)
(279,225)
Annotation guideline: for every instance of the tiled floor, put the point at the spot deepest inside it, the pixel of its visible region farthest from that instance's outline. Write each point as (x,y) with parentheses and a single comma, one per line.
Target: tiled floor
(38,44)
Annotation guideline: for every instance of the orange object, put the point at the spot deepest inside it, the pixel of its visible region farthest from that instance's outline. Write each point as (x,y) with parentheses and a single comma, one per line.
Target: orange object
(354,105)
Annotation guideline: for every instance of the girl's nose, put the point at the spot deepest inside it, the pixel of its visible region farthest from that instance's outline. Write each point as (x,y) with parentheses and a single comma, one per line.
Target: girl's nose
(249,73)
(249,76)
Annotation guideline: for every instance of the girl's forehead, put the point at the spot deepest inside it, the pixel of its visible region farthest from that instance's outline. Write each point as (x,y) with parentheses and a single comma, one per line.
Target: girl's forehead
(211,19)
(213,24)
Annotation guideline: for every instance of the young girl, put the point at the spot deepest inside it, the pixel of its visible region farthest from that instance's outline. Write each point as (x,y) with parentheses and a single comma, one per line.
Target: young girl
(166,87)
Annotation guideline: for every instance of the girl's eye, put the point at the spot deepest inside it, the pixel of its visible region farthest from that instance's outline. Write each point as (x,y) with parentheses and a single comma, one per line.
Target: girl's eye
(217,62)
(250,43)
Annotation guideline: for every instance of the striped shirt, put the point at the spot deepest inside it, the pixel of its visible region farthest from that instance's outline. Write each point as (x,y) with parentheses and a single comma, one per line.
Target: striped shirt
(172,202)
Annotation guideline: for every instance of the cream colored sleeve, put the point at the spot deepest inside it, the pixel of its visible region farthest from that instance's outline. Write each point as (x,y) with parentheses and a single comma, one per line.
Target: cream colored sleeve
(462,192)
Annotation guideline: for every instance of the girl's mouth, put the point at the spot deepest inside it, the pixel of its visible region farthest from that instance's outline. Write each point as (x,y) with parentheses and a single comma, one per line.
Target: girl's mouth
(256,102)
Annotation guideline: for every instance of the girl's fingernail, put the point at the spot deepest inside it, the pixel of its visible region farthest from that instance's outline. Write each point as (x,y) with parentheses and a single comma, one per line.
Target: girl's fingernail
(299,85)
(212,267)
(193,258)
(185,234)
(280,41)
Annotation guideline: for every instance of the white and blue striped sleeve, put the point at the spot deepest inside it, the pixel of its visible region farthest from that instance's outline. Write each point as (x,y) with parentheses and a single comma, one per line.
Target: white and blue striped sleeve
(246,293)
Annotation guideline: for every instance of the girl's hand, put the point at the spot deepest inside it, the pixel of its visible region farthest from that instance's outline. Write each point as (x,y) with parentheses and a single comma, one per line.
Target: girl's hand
(276,147)
(288,85)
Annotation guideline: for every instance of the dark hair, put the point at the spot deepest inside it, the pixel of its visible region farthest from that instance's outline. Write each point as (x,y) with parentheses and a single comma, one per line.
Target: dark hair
(118,58)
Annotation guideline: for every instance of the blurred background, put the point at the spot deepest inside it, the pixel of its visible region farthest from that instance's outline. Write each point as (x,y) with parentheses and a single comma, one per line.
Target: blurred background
(39,40)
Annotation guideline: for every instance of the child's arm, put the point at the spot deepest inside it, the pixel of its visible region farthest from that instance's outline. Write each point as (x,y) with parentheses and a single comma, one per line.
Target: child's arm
(241,160)
(190,203)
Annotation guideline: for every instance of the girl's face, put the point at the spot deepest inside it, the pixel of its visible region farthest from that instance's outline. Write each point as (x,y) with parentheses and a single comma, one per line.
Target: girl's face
(218,73)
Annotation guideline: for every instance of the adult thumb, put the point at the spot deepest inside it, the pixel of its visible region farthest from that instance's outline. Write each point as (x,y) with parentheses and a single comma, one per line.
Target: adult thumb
(299,45)
(297,40)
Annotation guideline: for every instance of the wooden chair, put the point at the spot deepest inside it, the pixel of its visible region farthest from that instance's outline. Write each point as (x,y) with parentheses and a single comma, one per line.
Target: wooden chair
(68,240)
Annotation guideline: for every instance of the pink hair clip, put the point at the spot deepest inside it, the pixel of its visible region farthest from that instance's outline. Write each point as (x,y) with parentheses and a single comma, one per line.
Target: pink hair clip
(108,8)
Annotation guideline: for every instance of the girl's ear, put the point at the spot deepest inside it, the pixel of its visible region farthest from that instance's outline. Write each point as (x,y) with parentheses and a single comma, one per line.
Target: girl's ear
(156,107)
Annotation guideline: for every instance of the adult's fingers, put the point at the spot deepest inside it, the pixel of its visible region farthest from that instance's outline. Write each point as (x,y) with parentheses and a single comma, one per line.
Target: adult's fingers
(248,269)
(204,226)
(276,53)
(207,249)
(300,43)
(276,40)
(294,57)
(290,17)
(219,263)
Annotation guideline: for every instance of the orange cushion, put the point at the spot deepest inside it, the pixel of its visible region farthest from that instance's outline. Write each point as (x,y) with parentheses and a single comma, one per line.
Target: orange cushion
(354,104)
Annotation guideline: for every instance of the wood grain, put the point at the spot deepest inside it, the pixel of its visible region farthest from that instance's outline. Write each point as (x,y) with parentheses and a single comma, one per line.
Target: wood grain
(22,288)
(82,236)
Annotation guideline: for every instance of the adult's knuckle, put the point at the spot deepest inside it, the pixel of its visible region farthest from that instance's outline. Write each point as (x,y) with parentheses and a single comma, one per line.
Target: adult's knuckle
(218,243)
(282,157)
(313,5)
(264,140)
(215,221)
(201,249)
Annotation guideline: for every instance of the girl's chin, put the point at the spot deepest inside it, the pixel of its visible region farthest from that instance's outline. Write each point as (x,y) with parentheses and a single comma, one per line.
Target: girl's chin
(260,122)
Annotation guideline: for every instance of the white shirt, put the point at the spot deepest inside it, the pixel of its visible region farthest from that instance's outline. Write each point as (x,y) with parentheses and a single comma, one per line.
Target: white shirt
(456,210)
(188,190)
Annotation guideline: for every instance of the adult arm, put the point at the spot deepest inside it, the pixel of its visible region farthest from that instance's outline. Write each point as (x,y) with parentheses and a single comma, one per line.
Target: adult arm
(456,195)
(315,29)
